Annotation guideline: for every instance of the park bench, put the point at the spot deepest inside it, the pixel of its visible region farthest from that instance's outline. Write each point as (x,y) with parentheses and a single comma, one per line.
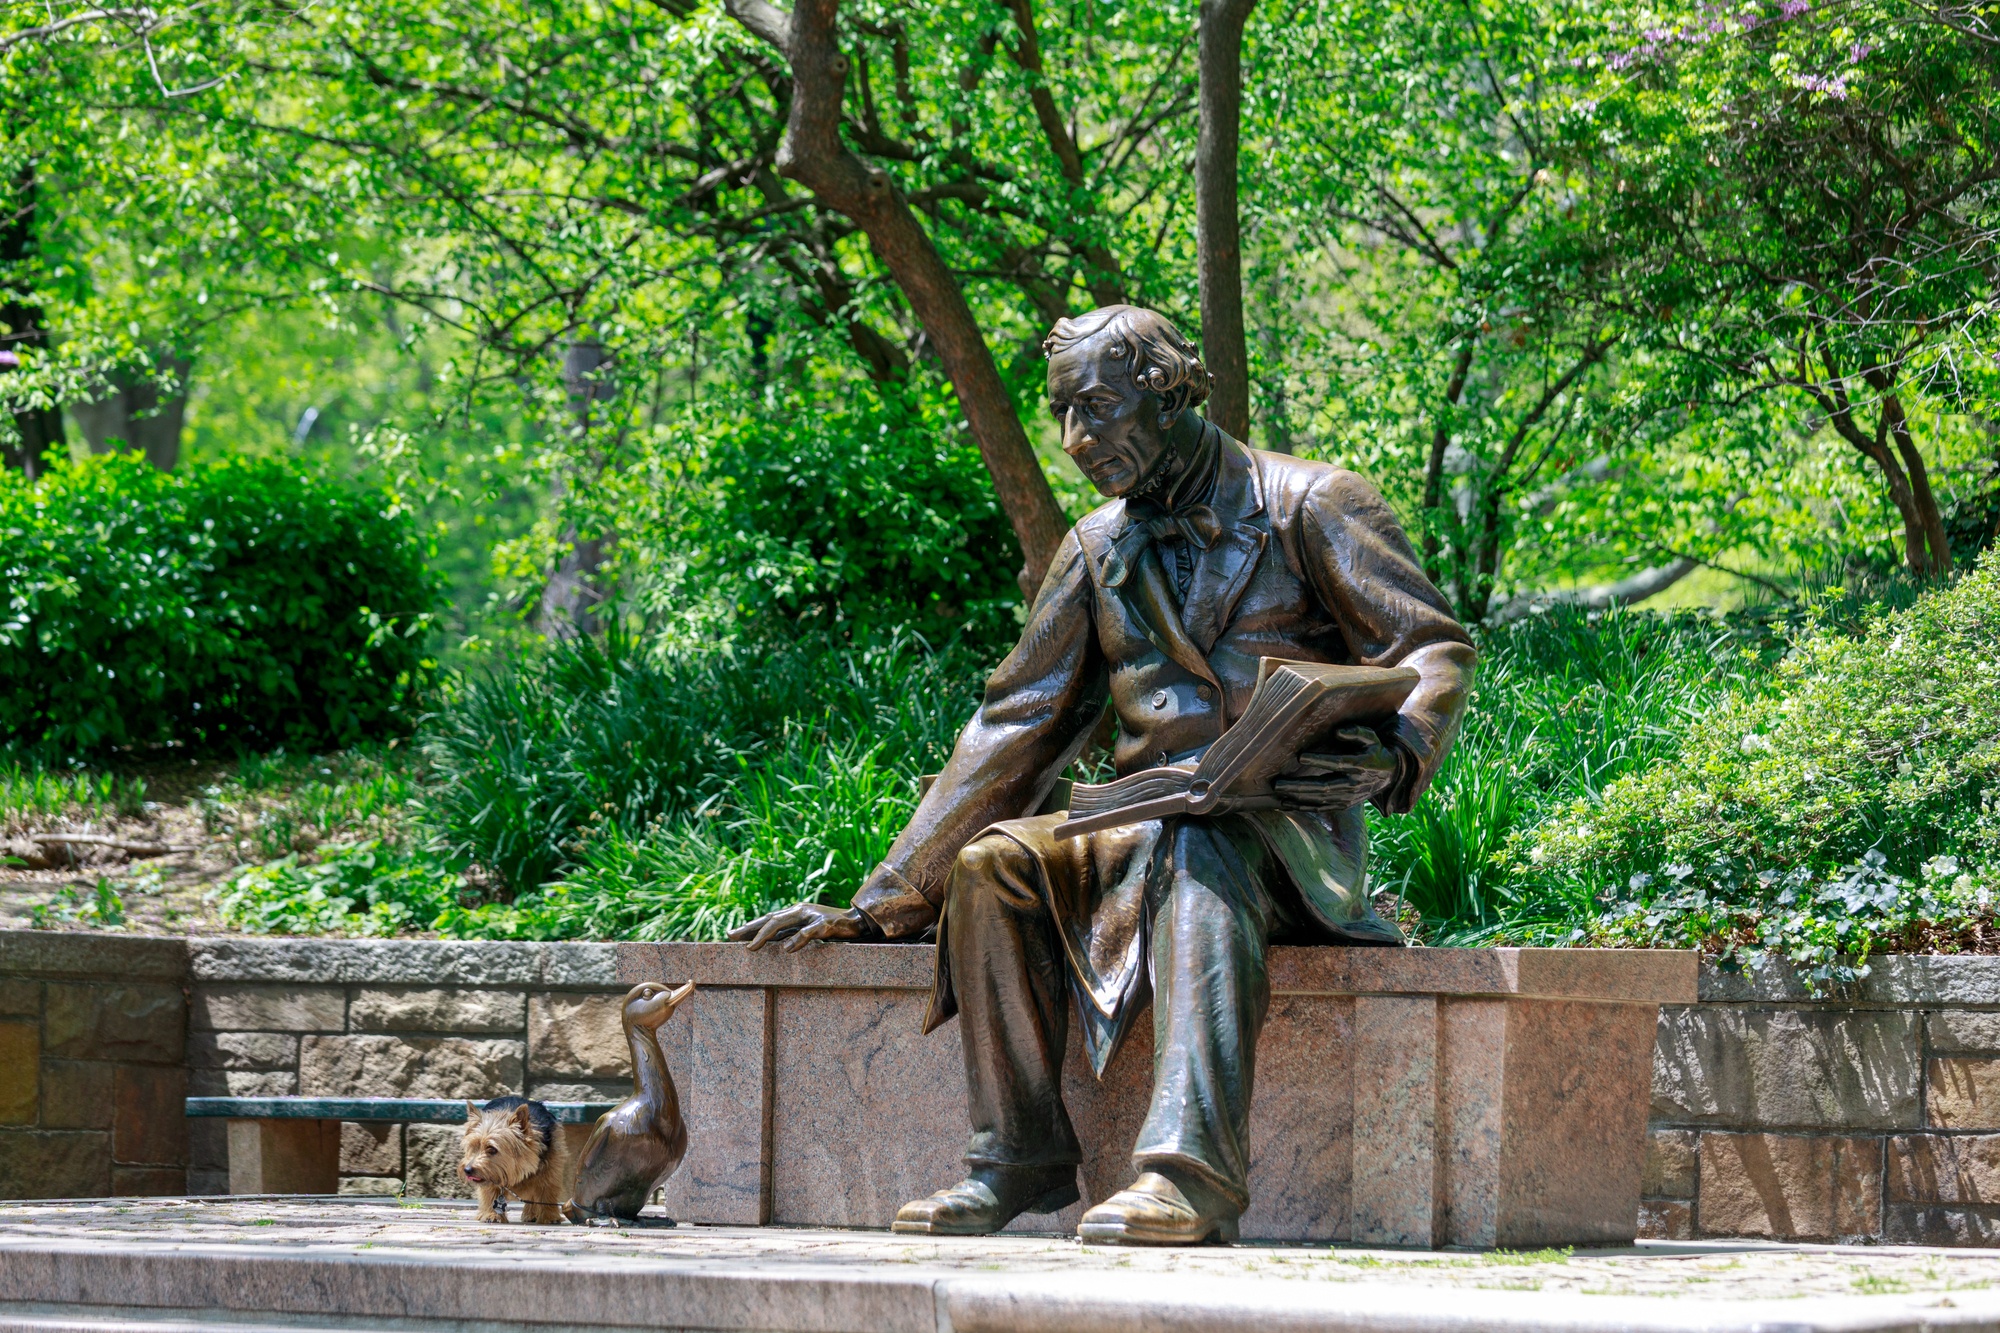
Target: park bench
(291,1145)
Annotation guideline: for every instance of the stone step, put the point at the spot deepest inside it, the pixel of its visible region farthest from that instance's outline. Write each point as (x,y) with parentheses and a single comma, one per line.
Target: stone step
(251,1265)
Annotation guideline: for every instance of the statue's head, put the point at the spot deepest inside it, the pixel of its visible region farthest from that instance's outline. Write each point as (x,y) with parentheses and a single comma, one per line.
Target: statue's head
(1123,385)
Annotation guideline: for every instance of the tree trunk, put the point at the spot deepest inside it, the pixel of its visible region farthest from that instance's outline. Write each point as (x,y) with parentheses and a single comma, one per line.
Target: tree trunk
(136,416)
(1832,395)
(1923,501)
(36,429)
(814,156)
(571,596)
(1433,500)
(1218,232)
(1635,588)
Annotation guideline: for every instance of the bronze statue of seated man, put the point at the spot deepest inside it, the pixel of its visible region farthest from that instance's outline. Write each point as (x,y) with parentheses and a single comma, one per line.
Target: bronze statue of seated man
(1208,557)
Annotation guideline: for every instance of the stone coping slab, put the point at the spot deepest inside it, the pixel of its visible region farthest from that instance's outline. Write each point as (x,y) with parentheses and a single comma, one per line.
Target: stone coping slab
(1957,980)
(291,1263)
(92,956)
(404,962)
(100,955)
(405,1110)
(1643,976)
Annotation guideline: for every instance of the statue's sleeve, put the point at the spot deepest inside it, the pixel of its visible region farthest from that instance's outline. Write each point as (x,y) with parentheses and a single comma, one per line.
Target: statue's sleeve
(1038,711)
(1361,565)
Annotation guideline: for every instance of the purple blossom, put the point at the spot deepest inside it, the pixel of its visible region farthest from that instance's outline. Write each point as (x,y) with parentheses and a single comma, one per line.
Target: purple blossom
(1813,83)
(1791,9)
(9,361)
(1657,34)
(1859,51)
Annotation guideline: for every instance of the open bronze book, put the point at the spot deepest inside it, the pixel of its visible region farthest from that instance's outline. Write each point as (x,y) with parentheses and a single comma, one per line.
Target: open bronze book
(1294,705)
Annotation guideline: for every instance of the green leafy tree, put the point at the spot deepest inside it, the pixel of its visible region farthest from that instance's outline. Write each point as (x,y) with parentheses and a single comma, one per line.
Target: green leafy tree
(1810,197)
(1416,180)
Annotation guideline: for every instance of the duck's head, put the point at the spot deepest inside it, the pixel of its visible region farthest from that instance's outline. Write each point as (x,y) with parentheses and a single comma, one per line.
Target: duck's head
(651,1003)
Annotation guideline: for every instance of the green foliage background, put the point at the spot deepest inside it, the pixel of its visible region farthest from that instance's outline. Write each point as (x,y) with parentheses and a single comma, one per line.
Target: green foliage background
(1588,290)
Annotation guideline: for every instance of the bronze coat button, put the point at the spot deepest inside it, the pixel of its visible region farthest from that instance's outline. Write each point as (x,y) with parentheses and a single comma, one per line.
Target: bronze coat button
(1205,694)
(1160,699)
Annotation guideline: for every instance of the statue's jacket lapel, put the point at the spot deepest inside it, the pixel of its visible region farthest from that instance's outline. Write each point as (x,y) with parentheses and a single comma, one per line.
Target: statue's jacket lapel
(1135,596)
(1224,569)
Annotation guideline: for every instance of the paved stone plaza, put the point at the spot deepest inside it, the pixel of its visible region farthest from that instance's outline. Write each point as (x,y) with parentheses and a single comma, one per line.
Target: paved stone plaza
(248,1263)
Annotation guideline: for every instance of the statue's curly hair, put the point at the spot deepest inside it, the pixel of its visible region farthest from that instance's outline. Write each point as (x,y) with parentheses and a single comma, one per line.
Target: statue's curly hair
(1154,352)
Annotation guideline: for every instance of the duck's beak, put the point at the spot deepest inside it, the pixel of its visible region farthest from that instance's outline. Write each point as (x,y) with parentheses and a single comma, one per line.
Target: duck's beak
(675,997)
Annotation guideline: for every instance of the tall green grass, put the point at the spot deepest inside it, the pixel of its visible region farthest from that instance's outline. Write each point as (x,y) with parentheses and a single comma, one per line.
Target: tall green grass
(606,791)
(1565,704)
(807,819)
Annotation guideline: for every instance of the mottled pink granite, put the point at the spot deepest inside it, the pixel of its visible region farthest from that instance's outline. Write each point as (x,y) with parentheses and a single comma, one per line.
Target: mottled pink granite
(1395,1080)
(720,1037)
(1404,1097)
(1573,1122)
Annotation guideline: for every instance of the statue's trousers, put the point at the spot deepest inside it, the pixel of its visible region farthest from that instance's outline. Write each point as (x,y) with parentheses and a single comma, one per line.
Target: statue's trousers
(1203,911)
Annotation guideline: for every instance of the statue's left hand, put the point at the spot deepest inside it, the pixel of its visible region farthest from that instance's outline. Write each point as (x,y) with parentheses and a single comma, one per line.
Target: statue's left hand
(1363,769)
(802,922)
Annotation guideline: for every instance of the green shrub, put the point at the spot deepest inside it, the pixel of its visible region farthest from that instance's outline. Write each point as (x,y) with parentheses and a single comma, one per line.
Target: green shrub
(862,519)
(240,604)
(1850,808)
(373,888)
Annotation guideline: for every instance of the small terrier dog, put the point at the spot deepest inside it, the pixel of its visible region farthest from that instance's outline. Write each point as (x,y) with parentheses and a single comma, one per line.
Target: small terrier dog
(512,1148)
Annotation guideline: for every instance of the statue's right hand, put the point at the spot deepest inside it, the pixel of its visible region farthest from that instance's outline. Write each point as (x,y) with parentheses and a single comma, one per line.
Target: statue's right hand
(802,923)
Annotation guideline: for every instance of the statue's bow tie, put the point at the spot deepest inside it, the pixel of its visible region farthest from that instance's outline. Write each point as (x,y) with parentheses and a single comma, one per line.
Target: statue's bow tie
(1196,523)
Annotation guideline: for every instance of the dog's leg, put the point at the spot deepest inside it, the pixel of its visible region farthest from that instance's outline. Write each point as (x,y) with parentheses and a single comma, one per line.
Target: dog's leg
(541,1214)
(488,1196)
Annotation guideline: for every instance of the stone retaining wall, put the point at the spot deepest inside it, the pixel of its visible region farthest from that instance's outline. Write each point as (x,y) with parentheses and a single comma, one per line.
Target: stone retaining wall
(1869,1114)
(1872,1113)
(92,1079)
(109,1034)
(1474,1097)
(397,1018)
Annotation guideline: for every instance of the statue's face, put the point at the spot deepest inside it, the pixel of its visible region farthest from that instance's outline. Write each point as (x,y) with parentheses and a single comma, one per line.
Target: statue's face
(1111,427)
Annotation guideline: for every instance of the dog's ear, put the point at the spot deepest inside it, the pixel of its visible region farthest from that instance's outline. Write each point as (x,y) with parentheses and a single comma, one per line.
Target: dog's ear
(524,1118)
(471,1114)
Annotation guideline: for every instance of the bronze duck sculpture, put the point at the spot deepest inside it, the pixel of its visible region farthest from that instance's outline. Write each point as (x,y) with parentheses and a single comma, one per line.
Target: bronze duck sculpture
(638,1143)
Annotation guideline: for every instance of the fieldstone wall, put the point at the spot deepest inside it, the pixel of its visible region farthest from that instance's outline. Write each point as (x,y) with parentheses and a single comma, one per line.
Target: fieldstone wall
(104,1037)
(1870,1113)
(397,1018)
(92,1076)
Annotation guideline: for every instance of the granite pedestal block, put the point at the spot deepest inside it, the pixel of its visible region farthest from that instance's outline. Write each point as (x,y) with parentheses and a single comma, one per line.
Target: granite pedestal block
(1474,1097)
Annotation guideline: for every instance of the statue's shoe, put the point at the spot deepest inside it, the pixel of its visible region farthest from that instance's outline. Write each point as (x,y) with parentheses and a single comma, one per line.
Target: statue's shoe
(988,1201)
(1156,1211)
